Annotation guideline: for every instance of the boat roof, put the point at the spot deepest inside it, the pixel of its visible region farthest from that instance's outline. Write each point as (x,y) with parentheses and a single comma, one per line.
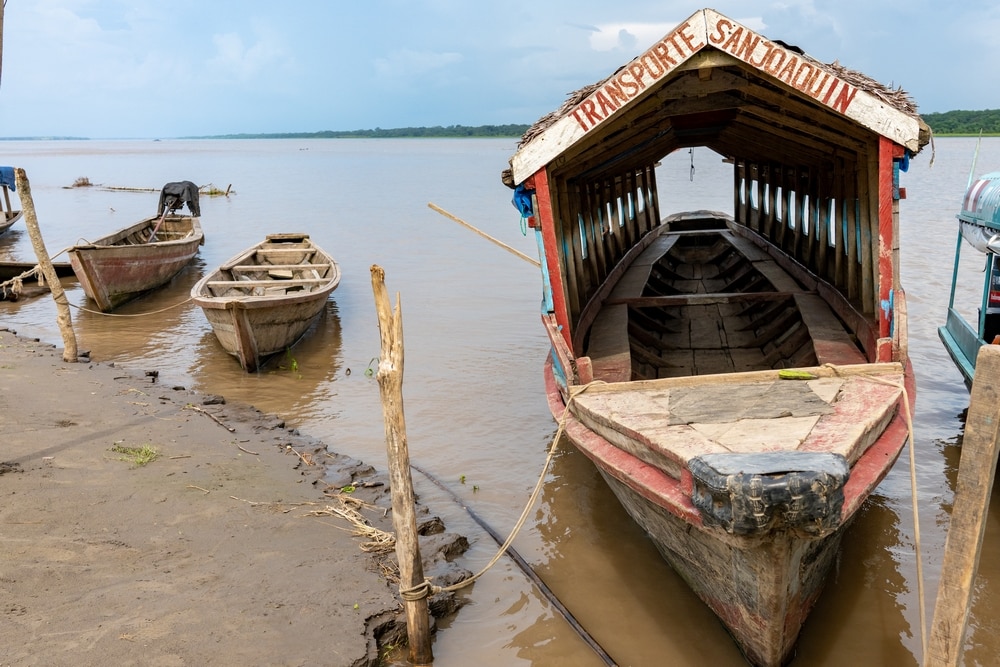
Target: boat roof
(981,205)
(714,82)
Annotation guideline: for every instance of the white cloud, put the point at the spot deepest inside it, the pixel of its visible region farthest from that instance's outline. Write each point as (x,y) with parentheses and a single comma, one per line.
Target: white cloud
(234,58)
(634,37)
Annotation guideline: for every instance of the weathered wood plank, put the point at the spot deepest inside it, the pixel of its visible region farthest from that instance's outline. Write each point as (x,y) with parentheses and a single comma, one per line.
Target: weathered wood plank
(968,517)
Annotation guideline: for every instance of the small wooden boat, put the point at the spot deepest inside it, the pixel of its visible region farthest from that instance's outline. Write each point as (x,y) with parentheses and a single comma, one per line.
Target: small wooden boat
(739,379)
(123,265)
(979,229)
(266,298)
(13,269)
(9,214)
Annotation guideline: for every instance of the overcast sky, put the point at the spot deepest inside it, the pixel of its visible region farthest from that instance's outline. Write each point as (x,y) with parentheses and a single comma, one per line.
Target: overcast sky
(155,68)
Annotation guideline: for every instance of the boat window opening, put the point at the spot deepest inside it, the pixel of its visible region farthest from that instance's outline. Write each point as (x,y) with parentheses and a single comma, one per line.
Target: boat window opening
(778,213)
(791,209)
(765,204)
(831,221)
(805,218)
(583,237)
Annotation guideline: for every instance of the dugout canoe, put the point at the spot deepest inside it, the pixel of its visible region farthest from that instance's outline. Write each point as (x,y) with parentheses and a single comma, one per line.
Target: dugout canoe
(740,379)
(266,298)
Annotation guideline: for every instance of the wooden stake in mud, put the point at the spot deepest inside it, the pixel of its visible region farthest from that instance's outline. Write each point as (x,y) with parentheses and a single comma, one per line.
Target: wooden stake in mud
(404,520)
(968,517)
(63,317)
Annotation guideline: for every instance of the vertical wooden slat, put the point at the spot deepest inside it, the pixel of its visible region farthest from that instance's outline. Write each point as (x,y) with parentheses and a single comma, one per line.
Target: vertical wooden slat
(782,201)
(801,194)
(868,196)
(823,229)
(653,195)
(554,257)
(853,268)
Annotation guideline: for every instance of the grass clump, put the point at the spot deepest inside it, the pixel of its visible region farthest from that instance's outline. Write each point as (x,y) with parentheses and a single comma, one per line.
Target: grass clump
(137,456)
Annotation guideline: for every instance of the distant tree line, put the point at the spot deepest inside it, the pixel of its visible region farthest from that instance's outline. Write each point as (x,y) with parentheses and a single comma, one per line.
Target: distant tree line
(400,132)
(986,121)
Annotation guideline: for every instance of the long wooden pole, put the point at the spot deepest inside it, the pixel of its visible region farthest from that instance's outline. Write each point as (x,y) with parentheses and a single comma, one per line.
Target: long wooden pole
(63,317)
(404,520)
(513,251)
(968,517)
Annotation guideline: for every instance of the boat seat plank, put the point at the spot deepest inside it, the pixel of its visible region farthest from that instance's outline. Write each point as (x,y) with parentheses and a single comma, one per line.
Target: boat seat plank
(700,299)
(308,252)
(276,267)
(296,282)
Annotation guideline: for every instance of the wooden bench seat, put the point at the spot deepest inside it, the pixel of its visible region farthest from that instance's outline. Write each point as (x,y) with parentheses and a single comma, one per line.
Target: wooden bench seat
(277,267)
(297,282)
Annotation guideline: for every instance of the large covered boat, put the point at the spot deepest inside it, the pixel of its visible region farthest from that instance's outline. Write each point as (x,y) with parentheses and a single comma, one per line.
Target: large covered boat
(739,378)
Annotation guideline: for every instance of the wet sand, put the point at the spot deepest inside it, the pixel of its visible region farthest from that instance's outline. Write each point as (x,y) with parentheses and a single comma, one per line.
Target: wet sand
(223,550)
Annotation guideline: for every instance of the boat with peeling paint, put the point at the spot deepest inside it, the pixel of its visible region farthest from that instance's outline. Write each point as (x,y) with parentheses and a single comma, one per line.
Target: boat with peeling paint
(740,379)
(144,256)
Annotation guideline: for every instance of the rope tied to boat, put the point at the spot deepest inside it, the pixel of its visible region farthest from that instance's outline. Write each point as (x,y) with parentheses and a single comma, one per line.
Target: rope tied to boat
(573,393)
(913,492)
(152,312)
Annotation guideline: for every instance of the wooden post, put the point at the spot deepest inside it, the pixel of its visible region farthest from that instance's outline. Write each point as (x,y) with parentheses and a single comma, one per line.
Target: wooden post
(404,520)
(63,317)
(968,517)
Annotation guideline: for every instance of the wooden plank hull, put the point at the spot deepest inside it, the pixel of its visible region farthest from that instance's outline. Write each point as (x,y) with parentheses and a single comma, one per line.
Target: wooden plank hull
(263,300)
(124,265)
(745,481)
(762,586)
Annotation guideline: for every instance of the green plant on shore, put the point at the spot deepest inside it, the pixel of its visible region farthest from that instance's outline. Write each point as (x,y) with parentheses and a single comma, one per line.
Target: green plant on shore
(137,456)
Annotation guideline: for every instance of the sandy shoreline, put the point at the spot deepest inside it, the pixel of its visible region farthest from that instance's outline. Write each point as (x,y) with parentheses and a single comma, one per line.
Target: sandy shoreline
(221,551)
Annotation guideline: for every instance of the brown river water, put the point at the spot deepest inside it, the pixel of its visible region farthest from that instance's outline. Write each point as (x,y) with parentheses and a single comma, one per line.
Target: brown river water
(474,404)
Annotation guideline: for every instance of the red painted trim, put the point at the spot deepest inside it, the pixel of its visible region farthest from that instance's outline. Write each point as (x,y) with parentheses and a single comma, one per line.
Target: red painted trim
(551,243)
(651,483)
(869,470)
(885,255)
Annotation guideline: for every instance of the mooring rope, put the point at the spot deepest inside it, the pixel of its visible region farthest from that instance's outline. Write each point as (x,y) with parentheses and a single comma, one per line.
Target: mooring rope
(426,588)
(914,495)
(152,312)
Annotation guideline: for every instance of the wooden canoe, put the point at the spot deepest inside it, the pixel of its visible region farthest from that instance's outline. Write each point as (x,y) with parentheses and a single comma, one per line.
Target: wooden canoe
(124,265)
(267,297)
(9,215)
(739,379)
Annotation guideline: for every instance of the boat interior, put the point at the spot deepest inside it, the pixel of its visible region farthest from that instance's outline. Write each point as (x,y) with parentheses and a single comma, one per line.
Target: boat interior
(274,268)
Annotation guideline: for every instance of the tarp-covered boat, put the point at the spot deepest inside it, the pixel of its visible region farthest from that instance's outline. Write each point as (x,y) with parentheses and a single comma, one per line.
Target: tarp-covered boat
(8,214)
(123,265)
(738,378)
